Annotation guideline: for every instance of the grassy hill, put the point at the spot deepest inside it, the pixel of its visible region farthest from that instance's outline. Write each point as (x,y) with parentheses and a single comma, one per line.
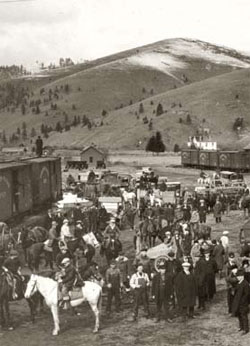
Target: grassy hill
(170,71)
(218,100)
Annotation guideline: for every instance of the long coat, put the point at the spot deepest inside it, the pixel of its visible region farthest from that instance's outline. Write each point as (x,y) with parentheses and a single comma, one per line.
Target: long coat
(211,270)
(241,298)
(168,287)
(218,254)
(217,209)
(185,287)
(200,275)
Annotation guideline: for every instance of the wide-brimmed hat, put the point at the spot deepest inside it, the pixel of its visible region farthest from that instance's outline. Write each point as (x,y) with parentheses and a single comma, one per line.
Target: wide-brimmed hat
(65,221)
(225,233)
(186,264)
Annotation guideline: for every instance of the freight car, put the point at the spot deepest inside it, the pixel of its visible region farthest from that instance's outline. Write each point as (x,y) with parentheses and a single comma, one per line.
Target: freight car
(226,160)
(27,184)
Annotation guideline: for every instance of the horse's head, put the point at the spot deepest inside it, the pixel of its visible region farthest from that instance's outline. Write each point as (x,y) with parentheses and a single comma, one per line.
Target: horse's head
(31,286)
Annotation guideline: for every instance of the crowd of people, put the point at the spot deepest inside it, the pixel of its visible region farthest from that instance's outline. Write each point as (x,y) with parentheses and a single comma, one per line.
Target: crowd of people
(183,282)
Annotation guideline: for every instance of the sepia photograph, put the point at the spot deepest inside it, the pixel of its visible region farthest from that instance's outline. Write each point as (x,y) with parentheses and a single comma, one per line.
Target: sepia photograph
(124,172)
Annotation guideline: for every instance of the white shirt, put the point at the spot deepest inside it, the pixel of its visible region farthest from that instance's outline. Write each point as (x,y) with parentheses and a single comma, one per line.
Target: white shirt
(225,241)
(134,280)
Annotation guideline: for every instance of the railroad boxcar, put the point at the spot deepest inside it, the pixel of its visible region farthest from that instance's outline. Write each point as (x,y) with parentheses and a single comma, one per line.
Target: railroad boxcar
(194,157)
(46,179)
(204,158)
(213,159)
(186,157)
(15,189)
(237,162)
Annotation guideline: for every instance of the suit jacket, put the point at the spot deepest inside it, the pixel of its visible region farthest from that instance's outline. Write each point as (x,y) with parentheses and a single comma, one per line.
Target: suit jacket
(241,298)
(168,287)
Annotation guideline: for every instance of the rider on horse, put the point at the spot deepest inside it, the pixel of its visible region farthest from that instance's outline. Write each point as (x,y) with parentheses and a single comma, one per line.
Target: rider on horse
(12,268)
(68,278)
(111,231)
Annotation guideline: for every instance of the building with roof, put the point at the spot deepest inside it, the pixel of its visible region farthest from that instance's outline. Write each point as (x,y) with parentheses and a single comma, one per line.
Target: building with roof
(93,157)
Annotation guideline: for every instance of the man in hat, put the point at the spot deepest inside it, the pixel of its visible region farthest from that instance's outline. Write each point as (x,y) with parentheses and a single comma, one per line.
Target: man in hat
(200,276)
(64,253)
(65,231)
(79,229)
(12,266)
(139,282)
(114,284)
(210,269)
(202,209)
(185,287)
(122,263)
(241,301)
(217,210)
(232,281)
(111,231)
(225,243)
(163,292)
(68,278)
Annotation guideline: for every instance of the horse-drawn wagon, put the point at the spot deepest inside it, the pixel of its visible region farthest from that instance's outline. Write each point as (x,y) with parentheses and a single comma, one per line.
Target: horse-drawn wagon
(159,253)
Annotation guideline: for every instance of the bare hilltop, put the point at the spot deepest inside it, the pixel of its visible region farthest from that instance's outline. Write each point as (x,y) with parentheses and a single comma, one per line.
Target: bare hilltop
(180,87)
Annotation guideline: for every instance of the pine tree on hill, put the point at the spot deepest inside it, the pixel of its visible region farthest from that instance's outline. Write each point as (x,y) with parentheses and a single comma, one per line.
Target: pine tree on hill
(141,108)
(159,146)
(151,144)
(159,109)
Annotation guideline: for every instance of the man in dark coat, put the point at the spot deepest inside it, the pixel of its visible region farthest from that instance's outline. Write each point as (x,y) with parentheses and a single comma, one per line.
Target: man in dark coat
(211,270)
(163,291)
(185,288)
(241,301)
(202,209)
(114,283)
(232,282)
(200,275)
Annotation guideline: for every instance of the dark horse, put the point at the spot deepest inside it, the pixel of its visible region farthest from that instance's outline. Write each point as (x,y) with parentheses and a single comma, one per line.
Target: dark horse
(79,243)
(6,291)
(149,232)
(32,241)
(111,248)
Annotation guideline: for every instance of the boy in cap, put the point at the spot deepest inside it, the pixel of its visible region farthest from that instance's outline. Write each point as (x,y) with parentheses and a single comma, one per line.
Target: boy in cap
(241,301)
(114,284)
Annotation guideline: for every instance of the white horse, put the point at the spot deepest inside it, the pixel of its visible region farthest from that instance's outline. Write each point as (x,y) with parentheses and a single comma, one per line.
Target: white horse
(128,196)
(91,292)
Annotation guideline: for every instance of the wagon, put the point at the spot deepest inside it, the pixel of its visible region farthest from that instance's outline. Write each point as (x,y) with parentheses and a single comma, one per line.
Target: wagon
(159,253)
(111,204)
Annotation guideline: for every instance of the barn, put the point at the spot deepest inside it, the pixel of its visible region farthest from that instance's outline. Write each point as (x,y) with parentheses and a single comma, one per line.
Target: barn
(94,157)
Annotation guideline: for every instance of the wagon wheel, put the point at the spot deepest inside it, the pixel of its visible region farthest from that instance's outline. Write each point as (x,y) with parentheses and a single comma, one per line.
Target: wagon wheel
(159,260)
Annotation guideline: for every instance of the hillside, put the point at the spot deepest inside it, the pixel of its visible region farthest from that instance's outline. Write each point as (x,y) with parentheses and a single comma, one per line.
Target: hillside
(163,70)
(218,100)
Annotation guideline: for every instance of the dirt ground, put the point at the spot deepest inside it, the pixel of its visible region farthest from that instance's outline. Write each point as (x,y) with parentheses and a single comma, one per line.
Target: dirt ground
(213,327)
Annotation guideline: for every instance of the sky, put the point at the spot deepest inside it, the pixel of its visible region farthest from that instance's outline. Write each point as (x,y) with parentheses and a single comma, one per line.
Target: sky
(34,31)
